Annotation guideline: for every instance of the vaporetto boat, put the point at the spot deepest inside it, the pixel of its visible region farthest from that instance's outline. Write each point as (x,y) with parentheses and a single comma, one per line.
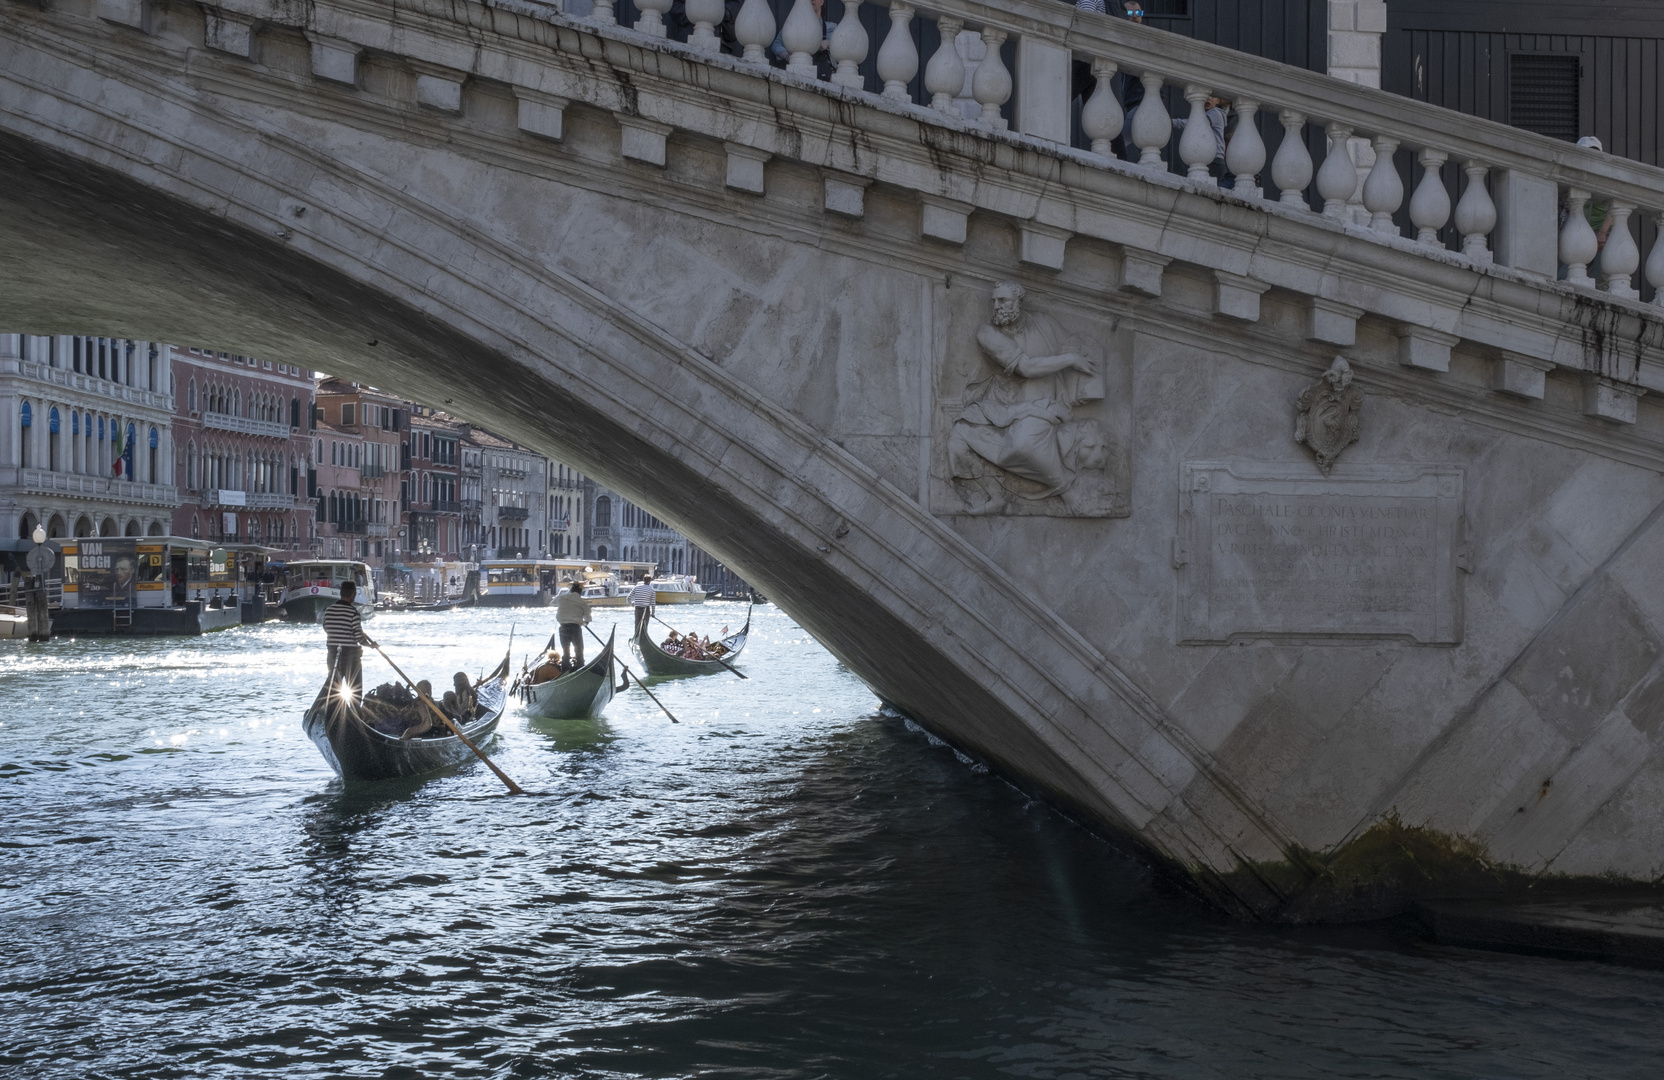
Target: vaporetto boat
(312,585)
(678,589)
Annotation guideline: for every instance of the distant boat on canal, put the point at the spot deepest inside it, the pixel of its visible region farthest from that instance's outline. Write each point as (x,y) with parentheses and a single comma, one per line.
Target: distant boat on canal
(311,585)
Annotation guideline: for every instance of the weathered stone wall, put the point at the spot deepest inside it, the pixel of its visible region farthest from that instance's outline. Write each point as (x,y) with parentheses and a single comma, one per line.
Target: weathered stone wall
(768,322)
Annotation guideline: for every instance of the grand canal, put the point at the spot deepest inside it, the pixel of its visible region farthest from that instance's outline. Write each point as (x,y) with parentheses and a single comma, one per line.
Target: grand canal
(788,883)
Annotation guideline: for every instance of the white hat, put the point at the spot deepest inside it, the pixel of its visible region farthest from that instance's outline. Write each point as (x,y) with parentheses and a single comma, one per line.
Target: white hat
(1589,142)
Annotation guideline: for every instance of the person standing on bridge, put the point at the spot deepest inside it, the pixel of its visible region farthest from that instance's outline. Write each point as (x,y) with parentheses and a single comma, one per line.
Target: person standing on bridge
(572,613)
(643,597)
(344,634)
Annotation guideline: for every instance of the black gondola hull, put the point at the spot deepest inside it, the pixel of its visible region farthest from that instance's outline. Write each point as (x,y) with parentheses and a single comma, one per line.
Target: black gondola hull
(359,753)
(659,662)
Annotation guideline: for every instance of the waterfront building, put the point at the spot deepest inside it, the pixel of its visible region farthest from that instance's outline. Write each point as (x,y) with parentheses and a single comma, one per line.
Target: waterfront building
(375,419)
(430,488)
(338,490)
(566,512)
(89,437)
(621,531)
(245,451)
(513,487)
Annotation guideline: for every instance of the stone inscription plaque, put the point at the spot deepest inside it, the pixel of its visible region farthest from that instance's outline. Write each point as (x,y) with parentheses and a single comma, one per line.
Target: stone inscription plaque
(1270,550)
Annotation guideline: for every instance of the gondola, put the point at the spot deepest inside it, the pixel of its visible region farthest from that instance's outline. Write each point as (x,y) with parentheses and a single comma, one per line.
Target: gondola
(659,662)
(575,695)
(359,752)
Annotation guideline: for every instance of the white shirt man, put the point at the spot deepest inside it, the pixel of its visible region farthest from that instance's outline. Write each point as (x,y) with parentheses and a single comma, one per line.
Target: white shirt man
(643,596)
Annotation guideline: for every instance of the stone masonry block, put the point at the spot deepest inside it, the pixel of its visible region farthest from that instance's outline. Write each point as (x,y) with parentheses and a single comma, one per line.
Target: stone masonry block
(226,32)
(1353,50)
(1372,16)
(334,60)
(124,12)
(1343,14)
(745,167)
(439,93)
(1237,297)
(847,195)
(1610,400)
(643,140)
(1332,323)
(1520,375)
(1042,107)
(1419,347)
(1141,271)
(541,114)
(945,219)
(1527,208)
(1043,245)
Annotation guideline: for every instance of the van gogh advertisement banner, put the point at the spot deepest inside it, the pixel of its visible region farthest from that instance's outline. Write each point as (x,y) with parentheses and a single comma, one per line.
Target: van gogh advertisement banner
(109,573)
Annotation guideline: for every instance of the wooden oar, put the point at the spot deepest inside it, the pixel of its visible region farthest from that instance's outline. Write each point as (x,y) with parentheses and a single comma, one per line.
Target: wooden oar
(513,788)
(633,675)
(718,659)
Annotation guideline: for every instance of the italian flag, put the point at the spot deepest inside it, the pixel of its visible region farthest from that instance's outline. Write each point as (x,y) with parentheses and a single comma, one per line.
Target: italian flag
(120,451)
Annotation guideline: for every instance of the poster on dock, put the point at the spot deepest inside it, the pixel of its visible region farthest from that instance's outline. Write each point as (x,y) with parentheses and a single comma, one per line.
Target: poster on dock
(108,573)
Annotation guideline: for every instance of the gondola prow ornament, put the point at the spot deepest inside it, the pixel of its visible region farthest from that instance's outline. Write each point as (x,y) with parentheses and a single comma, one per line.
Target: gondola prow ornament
(1328,420)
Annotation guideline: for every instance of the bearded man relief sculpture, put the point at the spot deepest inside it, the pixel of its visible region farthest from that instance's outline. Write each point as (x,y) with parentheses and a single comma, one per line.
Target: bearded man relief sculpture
(1035,431)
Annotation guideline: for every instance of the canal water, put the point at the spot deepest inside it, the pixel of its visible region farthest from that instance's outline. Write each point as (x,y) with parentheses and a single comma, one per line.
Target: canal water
(787,883)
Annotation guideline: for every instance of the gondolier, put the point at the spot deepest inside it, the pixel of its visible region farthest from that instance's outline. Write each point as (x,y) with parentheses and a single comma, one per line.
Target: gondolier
(344,634)
(643,596)
(572,613)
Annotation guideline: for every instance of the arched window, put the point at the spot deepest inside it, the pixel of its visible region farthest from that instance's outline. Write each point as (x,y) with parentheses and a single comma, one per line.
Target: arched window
(190,394)
(601,552)
(53,426)
(190,465)
(294,412)
(603,513)
(26,420)
(155,449)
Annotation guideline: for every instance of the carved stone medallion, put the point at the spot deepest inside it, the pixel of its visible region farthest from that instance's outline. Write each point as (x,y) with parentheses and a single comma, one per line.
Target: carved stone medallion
(1031,432)
(1328,420)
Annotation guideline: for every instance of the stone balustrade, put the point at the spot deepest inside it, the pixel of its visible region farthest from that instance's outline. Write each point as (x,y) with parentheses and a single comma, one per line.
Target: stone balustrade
(245,426)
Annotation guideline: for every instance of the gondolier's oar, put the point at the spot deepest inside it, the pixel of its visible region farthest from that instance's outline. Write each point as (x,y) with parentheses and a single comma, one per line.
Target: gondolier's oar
(718,659)
(513,788)
(633,675)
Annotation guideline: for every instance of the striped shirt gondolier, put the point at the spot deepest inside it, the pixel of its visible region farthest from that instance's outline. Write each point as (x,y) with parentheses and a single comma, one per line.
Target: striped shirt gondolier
(643,595)
(342,625)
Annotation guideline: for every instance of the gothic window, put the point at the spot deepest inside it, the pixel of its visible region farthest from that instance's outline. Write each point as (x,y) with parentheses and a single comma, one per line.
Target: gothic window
(190,394)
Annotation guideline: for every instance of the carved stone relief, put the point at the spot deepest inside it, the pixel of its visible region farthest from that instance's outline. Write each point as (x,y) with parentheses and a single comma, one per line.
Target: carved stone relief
(1034,419)
(1329,409)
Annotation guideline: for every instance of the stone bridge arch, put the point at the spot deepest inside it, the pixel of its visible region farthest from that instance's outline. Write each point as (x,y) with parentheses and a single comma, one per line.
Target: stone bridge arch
(576,238)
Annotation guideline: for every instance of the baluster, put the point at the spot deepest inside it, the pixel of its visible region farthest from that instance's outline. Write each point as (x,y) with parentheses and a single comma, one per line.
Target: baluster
(1197,148)
(801,36)
(944,76)
(1291,166)
(1430,203)
(848,47)
(991,85)
(1655,263)
(705,15)
(603,14)
(1620,258)
(898,57)
(754,29)
(1578,245)
(652,17)
(1337,177)
(1245,153)
(1384,188)
(1101,117)
(1151,126)
(1475,213)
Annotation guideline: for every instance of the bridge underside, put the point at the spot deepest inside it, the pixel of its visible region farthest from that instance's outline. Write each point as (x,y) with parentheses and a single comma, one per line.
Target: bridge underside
(786,375)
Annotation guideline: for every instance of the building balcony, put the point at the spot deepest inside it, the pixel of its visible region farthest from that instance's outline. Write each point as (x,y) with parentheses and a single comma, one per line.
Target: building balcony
(511,474)
(226,422)
(471,506)
(352,528)
(377,528)
(513,513)
(372,472)
(560,524)
(106,489)
(91,384)
(601,532)
(250,500)
(440,506)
